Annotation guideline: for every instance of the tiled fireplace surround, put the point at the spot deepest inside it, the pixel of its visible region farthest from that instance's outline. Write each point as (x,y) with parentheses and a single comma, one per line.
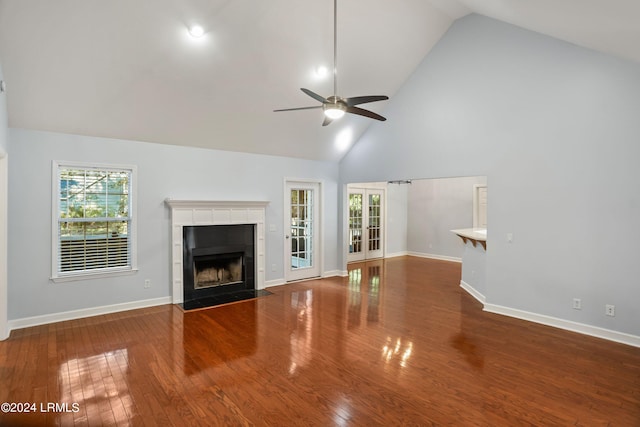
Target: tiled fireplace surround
(203,212)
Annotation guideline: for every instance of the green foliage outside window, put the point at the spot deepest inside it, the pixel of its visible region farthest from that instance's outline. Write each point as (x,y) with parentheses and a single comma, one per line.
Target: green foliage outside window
(99,194)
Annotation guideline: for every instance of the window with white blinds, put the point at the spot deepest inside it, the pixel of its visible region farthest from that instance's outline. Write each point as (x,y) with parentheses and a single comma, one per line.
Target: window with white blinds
(93,219)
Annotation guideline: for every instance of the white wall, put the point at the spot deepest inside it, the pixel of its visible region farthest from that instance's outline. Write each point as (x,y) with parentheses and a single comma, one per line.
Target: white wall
(163,171)
(555,129)
(437,206)
(4,142)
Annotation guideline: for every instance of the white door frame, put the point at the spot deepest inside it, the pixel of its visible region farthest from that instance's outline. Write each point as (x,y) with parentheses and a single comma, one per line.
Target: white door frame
(318,241)
(476,205)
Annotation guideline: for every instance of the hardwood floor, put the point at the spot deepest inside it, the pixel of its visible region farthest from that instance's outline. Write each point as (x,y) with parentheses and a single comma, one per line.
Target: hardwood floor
(396,343)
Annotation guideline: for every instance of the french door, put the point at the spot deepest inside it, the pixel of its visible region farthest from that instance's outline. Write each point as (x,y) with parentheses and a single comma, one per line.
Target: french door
(366,224)
(302,238)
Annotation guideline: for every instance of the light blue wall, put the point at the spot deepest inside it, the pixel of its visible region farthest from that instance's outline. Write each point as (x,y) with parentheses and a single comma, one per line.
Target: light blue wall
(163,171)
(397,217)
(555,129)
(4,141)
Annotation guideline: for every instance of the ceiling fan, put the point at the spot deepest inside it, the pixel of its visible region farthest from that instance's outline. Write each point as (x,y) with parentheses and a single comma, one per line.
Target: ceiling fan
(335,106)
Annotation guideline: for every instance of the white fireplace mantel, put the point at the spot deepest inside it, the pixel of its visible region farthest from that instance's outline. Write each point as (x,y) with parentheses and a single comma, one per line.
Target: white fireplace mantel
(185,213)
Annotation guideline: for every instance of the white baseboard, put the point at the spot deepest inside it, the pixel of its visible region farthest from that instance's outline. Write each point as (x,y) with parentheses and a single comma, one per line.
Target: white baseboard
(473,292)
(44,319)
(555,322)
(282,281)
(434,256)
(333,273)
(568,325)
(275,282)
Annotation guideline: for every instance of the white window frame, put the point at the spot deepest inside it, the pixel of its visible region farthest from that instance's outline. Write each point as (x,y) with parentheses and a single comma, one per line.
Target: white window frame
(58,276)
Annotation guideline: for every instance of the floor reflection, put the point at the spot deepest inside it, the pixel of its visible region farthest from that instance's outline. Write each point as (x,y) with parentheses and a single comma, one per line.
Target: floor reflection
(464,341)
(300,340)
(237,323)
(469,350)
(366,302)
(97,382)
(399,351)
(364,278)
(355,297)
(373,302)
(342,412)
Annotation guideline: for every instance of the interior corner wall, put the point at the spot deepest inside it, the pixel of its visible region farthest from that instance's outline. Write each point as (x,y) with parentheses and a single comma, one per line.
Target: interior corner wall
(555,129)
(437,206)
(164,171)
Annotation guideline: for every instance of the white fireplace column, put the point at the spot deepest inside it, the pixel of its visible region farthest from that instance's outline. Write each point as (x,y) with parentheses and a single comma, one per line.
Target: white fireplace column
(185,213)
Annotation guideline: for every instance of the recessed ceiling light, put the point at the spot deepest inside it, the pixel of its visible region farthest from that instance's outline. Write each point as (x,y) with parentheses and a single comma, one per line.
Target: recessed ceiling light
(322,71)
(196,31)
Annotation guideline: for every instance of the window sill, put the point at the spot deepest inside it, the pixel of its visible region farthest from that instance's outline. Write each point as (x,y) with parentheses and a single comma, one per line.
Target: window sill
(96,275)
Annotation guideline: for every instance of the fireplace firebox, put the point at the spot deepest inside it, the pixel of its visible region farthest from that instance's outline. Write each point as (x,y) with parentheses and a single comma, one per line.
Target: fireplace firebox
(218,270)
(217,260)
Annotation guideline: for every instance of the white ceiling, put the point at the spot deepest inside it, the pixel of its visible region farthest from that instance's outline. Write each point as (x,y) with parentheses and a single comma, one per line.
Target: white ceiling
(127,69)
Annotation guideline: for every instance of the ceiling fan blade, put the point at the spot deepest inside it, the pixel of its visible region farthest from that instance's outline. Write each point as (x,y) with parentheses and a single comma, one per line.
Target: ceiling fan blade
(366,113)
(356,100)
(327,121)
(313,95)
(298,108)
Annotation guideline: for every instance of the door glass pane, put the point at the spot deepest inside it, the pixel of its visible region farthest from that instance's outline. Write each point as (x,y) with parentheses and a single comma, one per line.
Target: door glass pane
(355,223)
(301,228)
(374,222)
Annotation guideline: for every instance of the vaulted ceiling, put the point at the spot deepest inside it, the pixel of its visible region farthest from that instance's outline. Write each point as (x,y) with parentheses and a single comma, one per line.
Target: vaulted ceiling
(129,70)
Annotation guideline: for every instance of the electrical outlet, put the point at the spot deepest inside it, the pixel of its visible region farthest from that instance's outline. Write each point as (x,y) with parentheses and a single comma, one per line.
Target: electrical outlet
(147,283)
(577,304)
(610,309)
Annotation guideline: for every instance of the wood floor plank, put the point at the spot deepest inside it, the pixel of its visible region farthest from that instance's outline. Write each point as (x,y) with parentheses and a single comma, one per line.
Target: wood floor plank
(397,342)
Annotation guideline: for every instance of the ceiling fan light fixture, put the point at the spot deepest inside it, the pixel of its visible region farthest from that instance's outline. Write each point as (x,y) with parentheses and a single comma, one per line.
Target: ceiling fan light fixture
(334,111)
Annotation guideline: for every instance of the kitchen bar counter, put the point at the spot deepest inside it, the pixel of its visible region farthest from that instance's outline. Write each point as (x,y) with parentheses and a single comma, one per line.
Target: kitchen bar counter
(474,235)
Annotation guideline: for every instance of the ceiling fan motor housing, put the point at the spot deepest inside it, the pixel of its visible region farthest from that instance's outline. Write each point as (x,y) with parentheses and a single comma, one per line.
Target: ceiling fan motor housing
(334,107)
